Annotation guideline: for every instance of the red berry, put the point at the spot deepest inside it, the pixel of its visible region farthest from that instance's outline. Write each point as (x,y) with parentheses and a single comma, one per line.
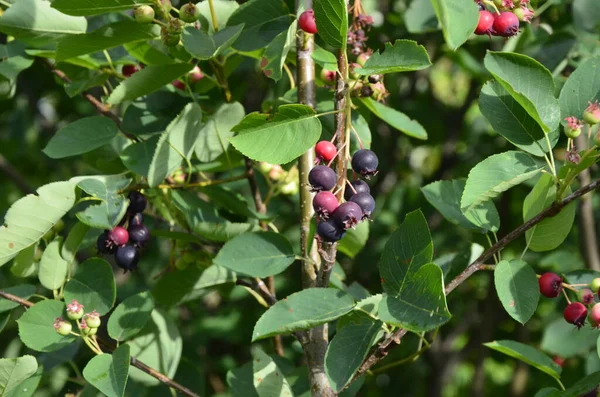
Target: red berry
(595,315)
(307,22)
(486,20)
(325,150)
(550,285)
(195,75)
(179,84)
(575,313)
(325,203)
(128,70)
(559,360)
(586,296)
(119,235)
(506,24)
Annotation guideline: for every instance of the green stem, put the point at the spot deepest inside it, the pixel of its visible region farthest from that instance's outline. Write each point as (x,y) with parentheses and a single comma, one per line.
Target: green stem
(553,167)
(330,112)
(5,3)
(110,62)
(213,15)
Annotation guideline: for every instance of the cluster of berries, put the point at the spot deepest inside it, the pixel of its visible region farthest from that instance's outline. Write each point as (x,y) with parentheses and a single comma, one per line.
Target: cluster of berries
(87,323)
(551,285)
(124,243)
(357,39)
(368,86)
(335,218)
(591,116)
(170,32)
(505,19)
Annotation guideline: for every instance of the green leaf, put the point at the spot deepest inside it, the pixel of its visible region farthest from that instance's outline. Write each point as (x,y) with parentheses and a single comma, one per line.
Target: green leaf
(53,268)
(445,197)
(420,17)
(551,232)
(529,83)
(528,355)
(582,87)
(36,328)
(292,131)
(109,372)
(402,56)
(263,20)
(303,310)
(268,378)
(29,386)
(420,304)
(24,264)
(30,217)
(559,339)
(223,10)
(511,120)
(14,59)
(147,80)
(495,175)
(34,22)
(354,240)
(350,346)
(13,371)
(113,205)
(130,317)
(276,53)
(108,36)
(213,139)
(137,157)
(241,381)
(586,16)
(458,18)
(517,288)
(583,386)
(81,136)
(73,241)
(324,58)
(95,7)
(153,113)
(396,119)
(332,22)
(93,286)
(206,46)
(256,254)
(152,52)
(176,144)
(22,291)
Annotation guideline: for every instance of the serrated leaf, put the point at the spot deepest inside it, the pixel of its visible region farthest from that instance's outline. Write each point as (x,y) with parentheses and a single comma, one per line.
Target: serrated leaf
(152,52)
(23,291)
(13,371)
(263,20)
(147,80)
(81,136)
(36,328)
(30,217)
(458,19)
(528,355)
(95,7)
(138,156)
(303,310)
(582,87)
(292,131)
(331,17)
(517,287)
(213,139)
(206,46)
(495,175)
(276,53)
(93,286)
(29,386)
(109,372)
(130,316)
(268,378)
(53,268)
(402,56)
(395,118)
(256,254)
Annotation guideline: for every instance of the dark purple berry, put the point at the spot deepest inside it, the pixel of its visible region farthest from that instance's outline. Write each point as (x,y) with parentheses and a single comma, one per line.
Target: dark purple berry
(325,203)
(366,202)
(137,202)
(136,219)
(321,178)
(375,78)
(330,231)
(104,244)
(119,235)
(347,215)
(365,162)
(127,257)
(360,186)
(139,233)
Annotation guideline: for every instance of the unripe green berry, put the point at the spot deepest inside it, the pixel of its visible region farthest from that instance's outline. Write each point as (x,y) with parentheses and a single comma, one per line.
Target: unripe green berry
(75,310)
(362,59)
(62,327)
(92,319)
(167,5)
(59,226)
(572,132)
(591,114)
(291,188)
(92,331)
(49,235)
(595,284)
(189,13)
(188,257)
(143,14)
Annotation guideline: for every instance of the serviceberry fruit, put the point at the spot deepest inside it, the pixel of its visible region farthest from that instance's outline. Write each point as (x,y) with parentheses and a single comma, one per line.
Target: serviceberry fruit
(321,178)
(360,186)
(375,78)
(366,91)
(550,285)
(595,315)
(136,219)
(330,231)
(139,233)
(180,85)
(92,319)
(486,21)
(119,235)
(573,127)
(137,202)
(307,22)
(595,284)
(328,76)
(127,257)
(325,203)
(128,70)
(74,310)
(325,151)
(365,162)
(167,5)
(506,24)
(586,296)
(189,13)
(362,59)
(347,215)
(104,244)
(575,313)
(195,75)
(62,327)
(591,114)
(143,14)
(366,202)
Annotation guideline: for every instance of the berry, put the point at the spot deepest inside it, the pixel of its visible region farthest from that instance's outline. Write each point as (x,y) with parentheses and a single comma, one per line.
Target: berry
(322,177)
(92,319)
(586,296)
(550,285)
(195,75)
(328,76)
(325,203)
(573,127)
(136,219)
(179,85)
(143,14)
(375,78)
(290,188)
(595,315)
(362,59)
(575,313)
(127,257)
(139,233)
(307,22)
(167,5)
(595,284)
(591,114)
(360,186)
(506,24)
(366,91)
(365,162)
(366,202)
(189,13)
(347,215)
(104,244)
(119,235)
(137,202)
(325,151)
(330,231)
(62,327)
(486,21)
(559,360)
(128,70)
(74,310)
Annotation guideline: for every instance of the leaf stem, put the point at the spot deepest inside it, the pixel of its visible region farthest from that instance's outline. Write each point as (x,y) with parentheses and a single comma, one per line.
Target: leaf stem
(553,166)
(5,3)
(213,15)
(290,76)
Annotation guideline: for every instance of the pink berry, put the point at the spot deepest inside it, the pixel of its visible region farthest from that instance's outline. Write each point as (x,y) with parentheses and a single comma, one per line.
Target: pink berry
(506,24)
(119,235)
(325,203)
(586,296)
(307,22)
(595,315)
(559,360)
(179,85)
(195,75)
(550,285)
(575,313)
(486,20)
(325,151)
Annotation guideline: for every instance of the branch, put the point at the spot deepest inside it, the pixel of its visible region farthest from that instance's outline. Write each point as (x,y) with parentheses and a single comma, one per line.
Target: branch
(261,288)
(134,361)
(14,175)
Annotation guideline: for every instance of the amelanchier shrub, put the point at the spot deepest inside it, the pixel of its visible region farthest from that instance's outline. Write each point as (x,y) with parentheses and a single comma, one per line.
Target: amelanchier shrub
(185,138)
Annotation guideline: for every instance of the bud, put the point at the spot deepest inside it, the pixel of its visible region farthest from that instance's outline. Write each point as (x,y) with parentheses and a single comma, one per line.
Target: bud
(189,13)
(591,114)
(92,319)
(143,14)
(62,327)
(573,127)
(74,310)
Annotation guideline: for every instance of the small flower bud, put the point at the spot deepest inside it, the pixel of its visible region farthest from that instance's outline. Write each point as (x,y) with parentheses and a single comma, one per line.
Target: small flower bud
(62,327)
(92,319)
(74,310)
